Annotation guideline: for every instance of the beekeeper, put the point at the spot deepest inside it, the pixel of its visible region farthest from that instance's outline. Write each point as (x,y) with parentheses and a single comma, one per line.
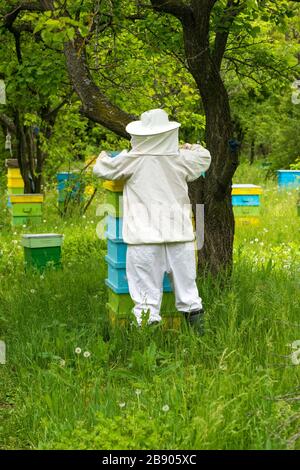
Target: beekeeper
(157,222)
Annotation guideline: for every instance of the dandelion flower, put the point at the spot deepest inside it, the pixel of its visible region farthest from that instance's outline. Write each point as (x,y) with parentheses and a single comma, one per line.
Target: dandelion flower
(86,354)
(165,408)
(122,405)
(138,392)
(78,350)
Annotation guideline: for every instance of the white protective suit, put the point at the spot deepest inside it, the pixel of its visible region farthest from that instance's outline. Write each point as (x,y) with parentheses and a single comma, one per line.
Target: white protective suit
(157,222)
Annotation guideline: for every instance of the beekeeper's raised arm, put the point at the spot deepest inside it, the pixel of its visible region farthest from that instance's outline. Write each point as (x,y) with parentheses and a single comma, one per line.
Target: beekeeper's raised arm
(195,160)
(120,167)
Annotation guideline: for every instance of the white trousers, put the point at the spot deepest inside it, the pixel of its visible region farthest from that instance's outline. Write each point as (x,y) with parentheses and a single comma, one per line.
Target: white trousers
(145,268)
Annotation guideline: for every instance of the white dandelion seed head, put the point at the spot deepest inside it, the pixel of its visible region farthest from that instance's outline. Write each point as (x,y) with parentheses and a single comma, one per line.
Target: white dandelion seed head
(122,405)
(33,291)
(62,363)
(138,392)
(78,350)
(86,354)
(165,408)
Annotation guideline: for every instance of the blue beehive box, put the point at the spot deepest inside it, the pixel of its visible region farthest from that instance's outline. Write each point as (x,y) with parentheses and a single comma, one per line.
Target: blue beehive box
(245,200)
(117,280)
(116,253)
(114,228)
(288,179)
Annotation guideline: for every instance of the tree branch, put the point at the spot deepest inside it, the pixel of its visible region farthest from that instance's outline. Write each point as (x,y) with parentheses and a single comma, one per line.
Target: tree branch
(96,106)
(8,122)
(40,5)
(177,8)
(231,11)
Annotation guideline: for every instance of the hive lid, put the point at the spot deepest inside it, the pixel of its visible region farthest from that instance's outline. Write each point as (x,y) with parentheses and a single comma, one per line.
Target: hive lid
(288,171)
(245,186)
(41,240)
(11,163)
(26,198)
(42,235)
(246,189)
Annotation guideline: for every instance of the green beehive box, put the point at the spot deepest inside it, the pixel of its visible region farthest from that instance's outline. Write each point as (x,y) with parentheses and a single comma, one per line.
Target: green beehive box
(122,304)
(42,250)
(15,190)
(27,209)
(23,220)
(119,303)
(115,200)
(174,322)
(244,211)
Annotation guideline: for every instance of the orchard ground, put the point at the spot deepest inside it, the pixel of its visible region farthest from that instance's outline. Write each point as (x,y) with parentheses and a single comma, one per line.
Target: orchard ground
(238,387)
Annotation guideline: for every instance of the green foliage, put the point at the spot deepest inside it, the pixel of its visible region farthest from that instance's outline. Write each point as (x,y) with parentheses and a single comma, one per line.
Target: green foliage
(128,431)
(163,389)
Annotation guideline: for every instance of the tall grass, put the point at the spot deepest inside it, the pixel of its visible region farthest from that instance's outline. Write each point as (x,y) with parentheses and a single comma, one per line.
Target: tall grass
(234,388)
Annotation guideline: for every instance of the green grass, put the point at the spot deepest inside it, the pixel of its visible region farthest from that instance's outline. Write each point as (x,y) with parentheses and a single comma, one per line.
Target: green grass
(234,388)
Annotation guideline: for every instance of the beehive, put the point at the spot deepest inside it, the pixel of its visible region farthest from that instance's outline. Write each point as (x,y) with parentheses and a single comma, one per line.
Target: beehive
(42,250)
(246,203)
(15,183)
(288,179)
(26,208)
(120,304)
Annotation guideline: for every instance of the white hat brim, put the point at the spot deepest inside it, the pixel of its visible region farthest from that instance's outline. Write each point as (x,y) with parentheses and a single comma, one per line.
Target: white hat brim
(137,128)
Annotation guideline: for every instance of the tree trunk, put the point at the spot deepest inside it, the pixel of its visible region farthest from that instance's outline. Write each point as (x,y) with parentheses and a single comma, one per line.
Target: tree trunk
(215,191)
(29,156)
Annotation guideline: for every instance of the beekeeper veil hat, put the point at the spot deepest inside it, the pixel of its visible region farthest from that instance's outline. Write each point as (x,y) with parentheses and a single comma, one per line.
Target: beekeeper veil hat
(154,134)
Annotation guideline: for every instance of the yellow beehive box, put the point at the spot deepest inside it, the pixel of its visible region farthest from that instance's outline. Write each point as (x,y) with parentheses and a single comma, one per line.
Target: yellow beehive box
(15,182)
(115,186)
(246,189)
(23,198)
(247,221)
(14,173)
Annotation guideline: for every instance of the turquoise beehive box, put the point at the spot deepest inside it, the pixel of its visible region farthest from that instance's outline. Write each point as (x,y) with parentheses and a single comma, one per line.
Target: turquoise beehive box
(288,179)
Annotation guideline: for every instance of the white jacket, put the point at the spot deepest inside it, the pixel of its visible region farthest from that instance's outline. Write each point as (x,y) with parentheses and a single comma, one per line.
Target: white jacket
(156,205)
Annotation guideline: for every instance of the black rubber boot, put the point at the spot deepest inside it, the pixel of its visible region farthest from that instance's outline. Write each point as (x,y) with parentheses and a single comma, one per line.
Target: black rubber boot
(196,320)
